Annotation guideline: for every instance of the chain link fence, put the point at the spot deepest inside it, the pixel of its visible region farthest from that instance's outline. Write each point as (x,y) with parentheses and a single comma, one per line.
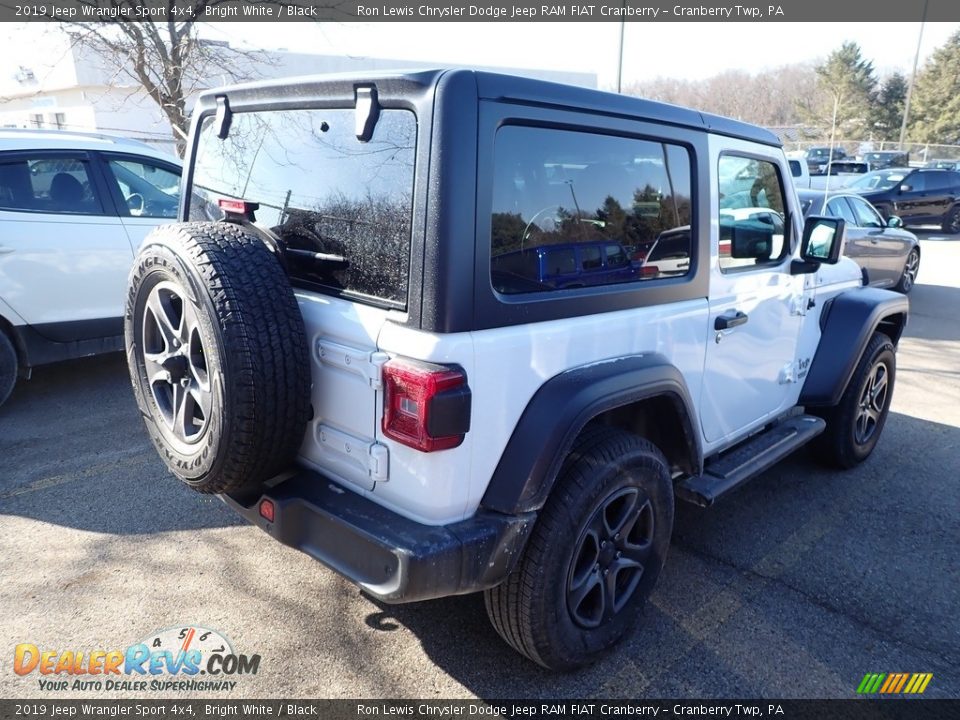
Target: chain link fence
(920,153)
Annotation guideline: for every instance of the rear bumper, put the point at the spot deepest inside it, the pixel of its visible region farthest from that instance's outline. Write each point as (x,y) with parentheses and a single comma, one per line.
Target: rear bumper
(391,557)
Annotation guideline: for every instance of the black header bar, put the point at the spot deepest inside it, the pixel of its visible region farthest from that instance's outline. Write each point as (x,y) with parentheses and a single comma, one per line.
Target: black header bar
(862,709)
(647,11)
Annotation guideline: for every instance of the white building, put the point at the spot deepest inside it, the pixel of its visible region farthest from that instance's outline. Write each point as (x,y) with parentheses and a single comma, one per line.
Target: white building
(54,85)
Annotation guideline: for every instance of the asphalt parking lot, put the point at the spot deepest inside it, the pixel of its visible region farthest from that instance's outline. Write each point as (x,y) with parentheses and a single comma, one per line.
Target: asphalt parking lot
(796,586)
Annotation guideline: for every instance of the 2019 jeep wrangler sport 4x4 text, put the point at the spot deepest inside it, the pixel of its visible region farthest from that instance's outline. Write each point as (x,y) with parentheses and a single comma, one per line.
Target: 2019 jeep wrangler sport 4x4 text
(329,341)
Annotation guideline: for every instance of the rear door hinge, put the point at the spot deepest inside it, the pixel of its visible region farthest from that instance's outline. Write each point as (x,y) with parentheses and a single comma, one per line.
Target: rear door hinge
(368,365)
(345,449)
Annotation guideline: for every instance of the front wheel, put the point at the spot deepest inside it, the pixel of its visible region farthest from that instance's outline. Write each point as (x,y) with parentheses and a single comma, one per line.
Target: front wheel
(910,269)
(594,556)
(855,424)
(8,367)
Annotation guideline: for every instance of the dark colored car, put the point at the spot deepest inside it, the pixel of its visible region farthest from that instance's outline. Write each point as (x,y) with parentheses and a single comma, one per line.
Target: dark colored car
(890,254)
(819,157)
(924,196)
(883,159)
(568,265)
(943,164)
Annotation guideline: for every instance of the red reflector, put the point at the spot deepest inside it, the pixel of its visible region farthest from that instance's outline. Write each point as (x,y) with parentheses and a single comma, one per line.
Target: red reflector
(235,206)
(409,390)
(266,510)
(649,271)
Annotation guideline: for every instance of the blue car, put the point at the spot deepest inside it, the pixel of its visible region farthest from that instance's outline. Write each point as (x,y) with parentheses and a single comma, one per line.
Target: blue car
(568,265)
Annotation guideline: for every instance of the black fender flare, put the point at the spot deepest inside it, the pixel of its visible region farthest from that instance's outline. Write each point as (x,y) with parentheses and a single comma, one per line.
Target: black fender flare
(847,323)
(560,409)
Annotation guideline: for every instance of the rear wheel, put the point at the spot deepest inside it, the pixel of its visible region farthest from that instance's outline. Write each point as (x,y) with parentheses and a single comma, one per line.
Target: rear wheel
(217,355)
(8,367)
(594,556)
(951,222)
(910,269)
(855,424)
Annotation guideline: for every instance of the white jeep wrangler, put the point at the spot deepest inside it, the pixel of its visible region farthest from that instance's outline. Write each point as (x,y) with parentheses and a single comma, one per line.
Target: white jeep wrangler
(408,324)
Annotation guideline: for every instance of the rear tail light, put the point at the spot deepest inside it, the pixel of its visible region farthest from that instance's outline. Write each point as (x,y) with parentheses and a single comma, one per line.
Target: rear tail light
(425,406)
(648,271)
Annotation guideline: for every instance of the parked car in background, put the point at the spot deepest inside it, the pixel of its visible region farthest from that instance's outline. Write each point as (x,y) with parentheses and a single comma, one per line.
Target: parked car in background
(669,256)
(569,265)
(943,164)
(74,208)
(838,174)
(923,196)
(882,159)
(819,157)
(890,254)
(798,169)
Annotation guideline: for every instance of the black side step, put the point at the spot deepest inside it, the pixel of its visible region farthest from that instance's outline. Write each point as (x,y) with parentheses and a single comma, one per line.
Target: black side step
(749,459)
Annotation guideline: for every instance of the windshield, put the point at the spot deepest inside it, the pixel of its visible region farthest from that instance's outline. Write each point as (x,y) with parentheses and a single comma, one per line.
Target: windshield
(321,191)
(878,180)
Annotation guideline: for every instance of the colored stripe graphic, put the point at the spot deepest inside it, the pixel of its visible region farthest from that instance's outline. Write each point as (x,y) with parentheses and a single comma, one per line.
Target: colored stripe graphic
(894,683)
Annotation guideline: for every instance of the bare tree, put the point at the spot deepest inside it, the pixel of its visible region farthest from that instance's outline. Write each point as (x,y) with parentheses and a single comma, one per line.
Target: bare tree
(767,97)
(167,58)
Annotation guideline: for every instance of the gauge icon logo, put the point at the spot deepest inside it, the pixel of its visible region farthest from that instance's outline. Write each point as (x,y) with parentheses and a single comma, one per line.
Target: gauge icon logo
(184,638)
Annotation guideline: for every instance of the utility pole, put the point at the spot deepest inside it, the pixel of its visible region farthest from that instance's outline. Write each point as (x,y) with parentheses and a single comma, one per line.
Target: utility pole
(913,78)
(620,55)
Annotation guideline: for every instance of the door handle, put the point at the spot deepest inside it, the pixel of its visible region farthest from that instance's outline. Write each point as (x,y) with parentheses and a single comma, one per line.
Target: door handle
(725,322)
(5,250)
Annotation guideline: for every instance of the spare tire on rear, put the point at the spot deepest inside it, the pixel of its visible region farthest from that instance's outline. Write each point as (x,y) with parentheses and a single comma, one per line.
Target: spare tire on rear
(218,355)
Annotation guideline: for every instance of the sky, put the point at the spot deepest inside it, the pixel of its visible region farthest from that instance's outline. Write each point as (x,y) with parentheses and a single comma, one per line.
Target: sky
(663,49)
(679,50)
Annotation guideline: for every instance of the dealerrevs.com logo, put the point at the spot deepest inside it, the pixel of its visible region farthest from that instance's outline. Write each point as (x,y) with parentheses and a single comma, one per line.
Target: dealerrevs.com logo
(170,660)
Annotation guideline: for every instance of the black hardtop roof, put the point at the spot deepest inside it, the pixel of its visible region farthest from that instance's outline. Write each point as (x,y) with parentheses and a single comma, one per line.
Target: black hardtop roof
(508,88)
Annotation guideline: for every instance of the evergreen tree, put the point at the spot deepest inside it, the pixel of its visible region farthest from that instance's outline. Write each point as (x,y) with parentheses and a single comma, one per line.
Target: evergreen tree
(846,82)
(935,107)
(887,115)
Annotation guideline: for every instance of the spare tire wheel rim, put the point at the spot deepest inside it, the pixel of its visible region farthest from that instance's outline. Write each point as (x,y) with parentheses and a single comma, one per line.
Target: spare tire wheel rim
(175,362)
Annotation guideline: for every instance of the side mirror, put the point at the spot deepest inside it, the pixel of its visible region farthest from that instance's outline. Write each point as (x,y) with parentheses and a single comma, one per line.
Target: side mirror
(906,188)
(894,222)
(822,239)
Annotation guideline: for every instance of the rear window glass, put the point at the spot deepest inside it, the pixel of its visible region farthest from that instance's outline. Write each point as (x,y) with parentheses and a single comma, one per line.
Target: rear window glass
(321,191)
(577,209)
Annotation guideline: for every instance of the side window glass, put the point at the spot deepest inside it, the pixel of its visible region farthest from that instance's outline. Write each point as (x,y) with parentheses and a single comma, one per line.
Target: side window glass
(148,189)
(616,257)
(752,211)
(838,207)
(916,181)
(937,180)
(866,215)
(604,199)
(49,185)
(590,257)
